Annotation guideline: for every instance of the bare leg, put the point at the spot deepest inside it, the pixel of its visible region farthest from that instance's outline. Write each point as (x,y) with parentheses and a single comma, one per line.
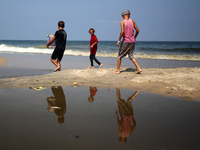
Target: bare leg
(58,68)
(119,60)
(134,95)
(57,64)
(91,67)
(100,66)
(137,66)
(54,62)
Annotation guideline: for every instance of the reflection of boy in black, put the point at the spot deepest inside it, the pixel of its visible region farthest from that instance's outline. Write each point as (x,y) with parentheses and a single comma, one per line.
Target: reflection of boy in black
(126,112)
(57,103)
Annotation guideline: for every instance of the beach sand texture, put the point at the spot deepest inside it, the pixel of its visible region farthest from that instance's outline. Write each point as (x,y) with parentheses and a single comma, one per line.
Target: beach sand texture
(176,82)
(3,61)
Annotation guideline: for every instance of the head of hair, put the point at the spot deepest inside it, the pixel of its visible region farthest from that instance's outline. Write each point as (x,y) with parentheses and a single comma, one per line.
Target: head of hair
(125,12)
(122,140)
(61,24)
(61,119)
(90,99)
(92,30)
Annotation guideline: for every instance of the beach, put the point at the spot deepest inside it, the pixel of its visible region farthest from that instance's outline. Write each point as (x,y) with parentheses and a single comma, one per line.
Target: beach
(3,61)
(77,107)
(176,79)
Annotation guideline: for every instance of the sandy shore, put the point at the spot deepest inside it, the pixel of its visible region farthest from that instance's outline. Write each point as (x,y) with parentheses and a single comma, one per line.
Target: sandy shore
(166,77)
(176,82)
(3,61)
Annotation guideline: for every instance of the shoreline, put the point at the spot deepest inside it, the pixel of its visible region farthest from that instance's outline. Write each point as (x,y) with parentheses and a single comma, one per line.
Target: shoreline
(165,77)
(167,82)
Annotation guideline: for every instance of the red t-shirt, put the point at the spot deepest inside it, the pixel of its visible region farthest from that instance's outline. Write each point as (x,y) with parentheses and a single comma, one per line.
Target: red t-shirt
(92,41)
(93,91)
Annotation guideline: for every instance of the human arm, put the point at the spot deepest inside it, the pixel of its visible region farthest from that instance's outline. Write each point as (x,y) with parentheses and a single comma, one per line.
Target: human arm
(50,41)
(134,126)
(122,24)
(93,44)
(136,29)
(94,41)
(119,124)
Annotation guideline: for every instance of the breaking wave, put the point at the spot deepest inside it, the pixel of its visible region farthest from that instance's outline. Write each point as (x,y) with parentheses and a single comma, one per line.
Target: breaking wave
(73,52)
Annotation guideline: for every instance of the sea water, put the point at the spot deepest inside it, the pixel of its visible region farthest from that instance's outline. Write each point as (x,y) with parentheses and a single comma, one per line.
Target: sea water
(151,49)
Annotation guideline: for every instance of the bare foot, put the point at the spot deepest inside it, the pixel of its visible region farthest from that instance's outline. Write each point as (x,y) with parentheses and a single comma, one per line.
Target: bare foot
(116,72)
(100,66)
(91,67)
(57,69)
(137,71)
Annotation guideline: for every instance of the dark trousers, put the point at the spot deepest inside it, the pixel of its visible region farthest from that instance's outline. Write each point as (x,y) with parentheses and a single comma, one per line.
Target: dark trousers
(92,57)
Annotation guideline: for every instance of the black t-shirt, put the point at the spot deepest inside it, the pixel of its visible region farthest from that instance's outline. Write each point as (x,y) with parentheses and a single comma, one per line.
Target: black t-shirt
(61,37)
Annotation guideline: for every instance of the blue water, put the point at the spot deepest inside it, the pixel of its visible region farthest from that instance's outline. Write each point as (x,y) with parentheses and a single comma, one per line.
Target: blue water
(143,49)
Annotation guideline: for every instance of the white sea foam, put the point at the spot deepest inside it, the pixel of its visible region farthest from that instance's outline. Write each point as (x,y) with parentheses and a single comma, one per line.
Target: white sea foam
(30,50)
(34,50)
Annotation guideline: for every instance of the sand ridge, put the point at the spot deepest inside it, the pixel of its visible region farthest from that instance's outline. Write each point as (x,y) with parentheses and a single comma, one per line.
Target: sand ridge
(176,82)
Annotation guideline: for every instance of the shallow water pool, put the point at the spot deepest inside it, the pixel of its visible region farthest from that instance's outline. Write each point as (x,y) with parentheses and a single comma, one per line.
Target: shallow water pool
(96,118)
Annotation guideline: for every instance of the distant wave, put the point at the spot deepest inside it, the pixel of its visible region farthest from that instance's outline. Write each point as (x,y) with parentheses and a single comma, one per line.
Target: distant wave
(43,50)
(182,50)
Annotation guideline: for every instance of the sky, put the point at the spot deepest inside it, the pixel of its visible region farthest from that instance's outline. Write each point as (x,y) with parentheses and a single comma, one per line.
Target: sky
(157,20)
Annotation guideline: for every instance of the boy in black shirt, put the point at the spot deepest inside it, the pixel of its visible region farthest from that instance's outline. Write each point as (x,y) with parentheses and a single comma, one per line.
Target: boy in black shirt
(58,52)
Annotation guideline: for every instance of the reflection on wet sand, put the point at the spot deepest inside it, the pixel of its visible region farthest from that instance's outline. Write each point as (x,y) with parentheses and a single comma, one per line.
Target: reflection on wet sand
(161,121)
(57,103)
(126,113)
(93,91)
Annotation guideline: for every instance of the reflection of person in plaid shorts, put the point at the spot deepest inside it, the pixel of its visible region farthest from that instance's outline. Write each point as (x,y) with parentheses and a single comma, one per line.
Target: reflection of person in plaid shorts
(128,43)
(127,123)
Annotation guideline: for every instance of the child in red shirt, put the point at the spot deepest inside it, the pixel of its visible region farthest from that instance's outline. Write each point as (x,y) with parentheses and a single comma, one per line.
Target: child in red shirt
(93,49)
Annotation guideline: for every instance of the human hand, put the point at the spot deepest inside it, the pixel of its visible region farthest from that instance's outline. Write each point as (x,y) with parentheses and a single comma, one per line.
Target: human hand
(118,43)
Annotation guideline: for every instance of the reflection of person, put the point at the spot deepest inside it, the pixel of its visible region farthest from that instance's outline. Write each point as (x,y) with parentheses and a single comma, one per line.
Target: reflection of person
(126,113)
(60,37)
(93,48)
(128,43)
(57,103)
(93,91)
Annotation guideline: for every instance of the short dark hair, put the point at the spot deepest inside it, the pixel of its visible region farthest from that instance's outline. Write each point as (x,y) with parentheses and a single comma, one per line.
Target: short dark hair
(61,24)
(92,30)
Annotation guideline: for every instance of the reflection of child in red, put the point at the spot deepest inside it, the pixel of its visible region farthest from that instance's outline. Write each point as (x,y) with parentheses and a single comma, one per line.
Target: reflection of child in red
(93,92)
(126,112)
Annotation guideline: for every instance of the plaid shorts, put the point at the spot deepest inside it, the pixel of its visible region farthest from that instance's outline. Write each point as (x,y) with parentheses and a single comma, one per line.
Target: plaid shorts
(126,48)
(125,108)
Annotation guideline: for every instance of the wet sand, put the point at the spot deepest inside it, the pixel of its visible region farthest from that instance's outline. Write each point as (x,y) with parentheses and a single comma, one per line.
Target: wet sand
(3,61)
(183,82)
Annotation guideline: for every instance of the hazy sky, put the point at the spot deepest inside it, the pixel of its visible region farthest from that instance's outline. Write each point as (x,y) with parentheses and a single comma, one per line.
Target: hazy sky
(158,20)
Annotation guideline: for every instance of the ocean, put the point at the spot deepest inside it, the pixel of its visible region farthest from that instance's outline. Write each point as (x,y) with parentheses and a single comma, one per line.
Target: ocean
(143,49)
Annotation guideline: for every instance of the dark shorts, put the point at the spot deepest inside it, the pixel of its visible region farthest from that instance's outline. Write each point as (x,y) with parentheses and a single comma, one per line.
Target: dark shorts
(57,54)
(126,48)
